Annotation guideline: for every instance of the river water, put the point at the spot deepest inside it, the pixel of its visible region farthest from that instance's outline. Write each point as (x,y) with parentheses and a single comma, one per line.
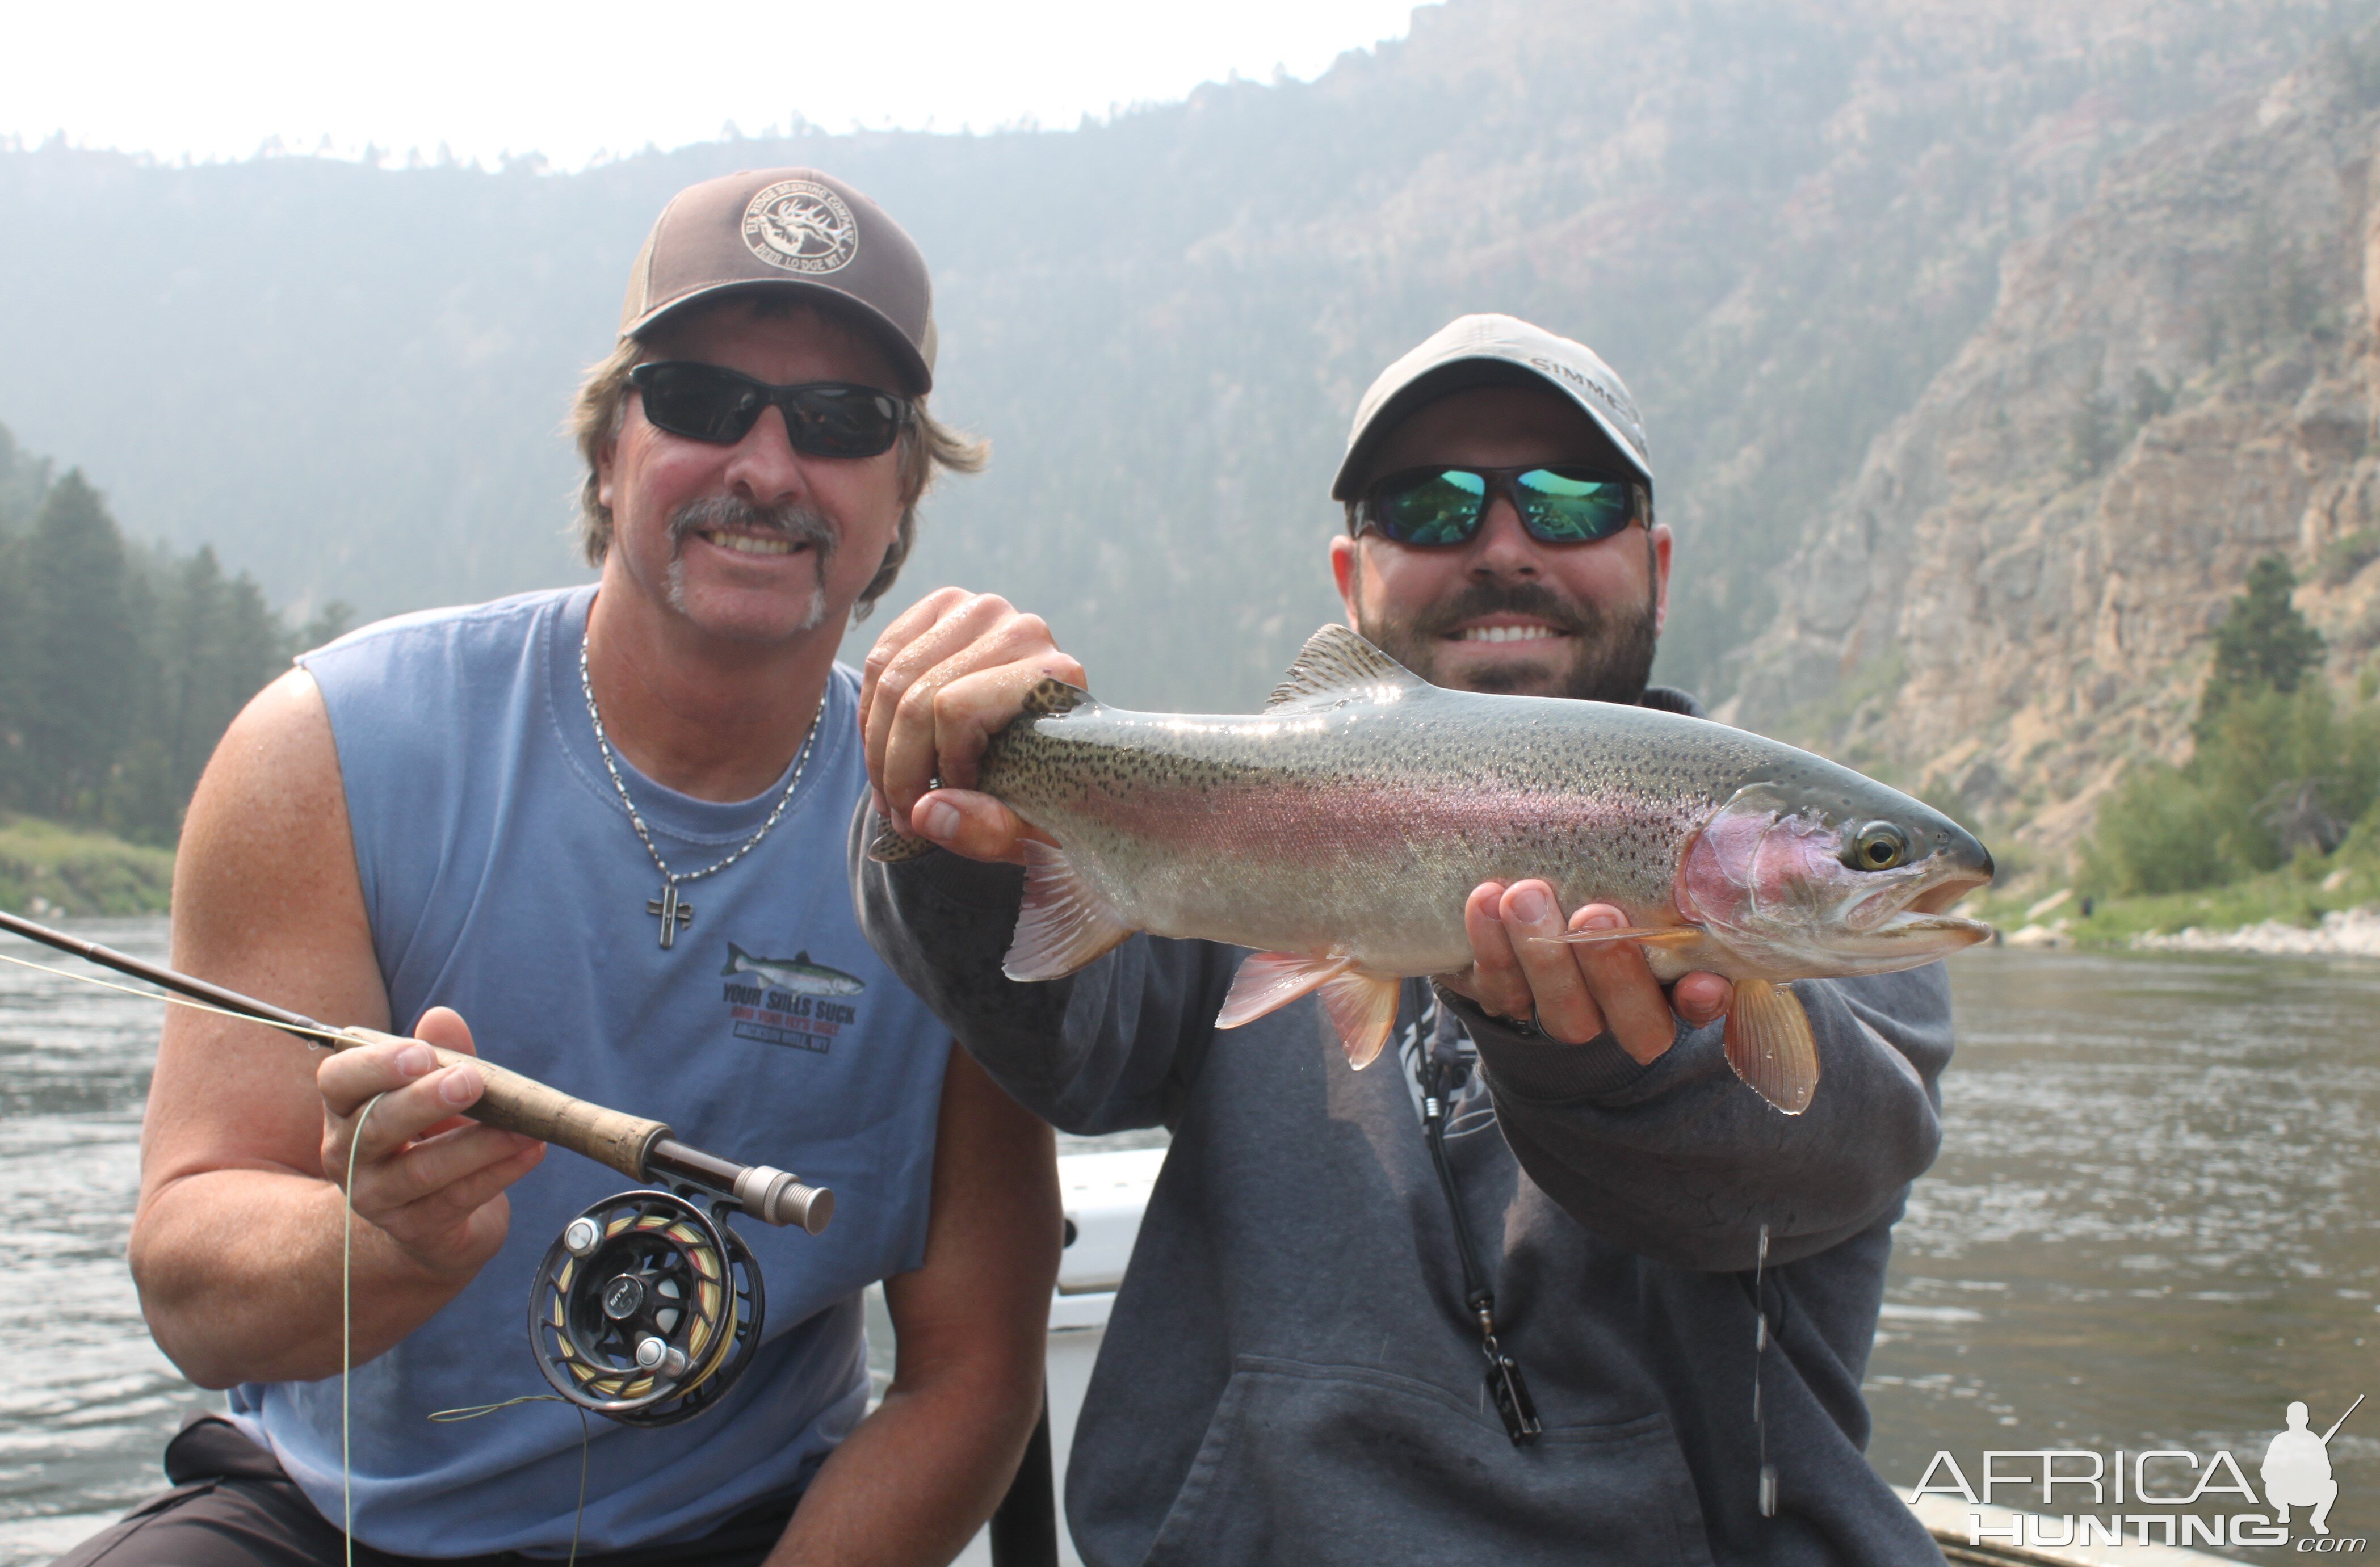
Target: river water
(2155,1222)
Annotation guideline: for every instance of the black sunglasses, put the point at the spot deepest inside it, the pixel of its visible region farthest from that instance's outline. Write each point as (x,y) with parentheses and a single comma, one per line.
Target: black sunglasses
(1437,506)
(825,418)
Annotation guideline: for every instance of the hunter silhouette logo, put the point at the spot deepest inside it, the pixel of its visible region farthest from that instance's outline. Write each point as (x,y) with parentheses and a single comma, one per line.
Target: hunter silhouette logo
(2067,1497)
(2297,1469)
(801,225)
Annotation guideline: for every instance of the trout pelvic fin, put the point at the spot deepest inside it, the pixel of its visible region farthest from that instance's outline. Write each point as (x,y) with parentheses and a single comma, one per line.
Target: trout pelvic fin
(1268,982)
(1770,1046)
(888,847)
(1337,664)
(1361,1006)
(1065,922)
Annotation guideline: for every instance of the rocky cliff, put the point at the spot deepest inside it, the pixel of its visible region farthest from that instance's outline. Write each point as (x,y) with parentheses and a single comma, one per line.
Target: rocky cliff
(2014,598)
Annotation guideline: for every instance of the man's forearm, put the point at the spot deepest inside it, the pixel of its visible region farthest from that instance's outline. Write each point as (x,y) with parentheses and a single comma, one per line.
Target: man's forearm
(239,1279)
(919,1475)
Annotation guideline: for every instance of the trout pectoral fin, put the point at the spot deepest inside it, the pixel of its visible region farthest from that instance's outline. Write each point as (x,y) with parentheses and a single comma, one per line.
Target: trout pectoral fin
(1363,1007)
(888,847)
(1065,922)
(1268,982)
(1645,935)
(1770,1046)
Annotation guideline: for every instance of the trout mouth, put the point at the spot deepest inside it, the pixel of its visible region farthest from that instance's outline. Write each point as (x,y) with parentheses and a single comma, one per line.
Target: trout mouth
(1914,909)
(1952,889)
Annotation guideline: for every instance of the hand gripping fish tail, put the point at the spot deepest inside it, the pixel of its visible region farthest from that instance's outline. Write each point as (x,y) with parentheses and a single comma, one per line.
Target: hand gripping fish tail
(1338,833)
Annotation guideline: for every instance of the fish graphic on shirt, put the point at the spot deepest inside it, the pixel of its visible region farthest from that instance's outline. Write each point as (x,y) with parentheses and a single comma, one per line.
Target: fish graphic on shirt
(797,973)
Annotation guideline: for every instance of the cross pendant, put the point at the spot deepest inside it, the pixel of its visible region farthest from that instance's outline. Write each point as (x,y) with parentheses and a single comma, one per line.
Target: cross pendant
(672,913)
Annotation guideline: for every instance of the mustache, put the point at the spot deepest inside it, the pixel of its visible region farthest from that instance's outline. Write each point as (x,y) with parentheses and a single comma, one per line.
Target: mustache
(797,522)
(1477,599)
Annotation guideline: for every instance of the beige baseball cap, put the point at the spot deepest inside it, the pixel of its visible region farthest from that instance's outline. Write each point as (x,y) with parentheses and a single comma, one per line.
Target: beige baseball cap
(1492,350)
(787,228)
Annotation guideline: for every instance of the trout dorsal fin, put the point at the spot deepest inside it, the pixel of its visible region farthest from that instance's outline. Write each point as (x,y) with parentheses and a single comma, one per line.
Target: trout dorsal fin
(1337,664)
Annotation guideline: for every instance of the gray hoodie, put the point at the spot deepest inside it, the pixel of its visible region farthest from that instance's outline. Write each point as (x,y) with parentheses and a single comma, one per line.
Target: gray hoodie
(1290,1374)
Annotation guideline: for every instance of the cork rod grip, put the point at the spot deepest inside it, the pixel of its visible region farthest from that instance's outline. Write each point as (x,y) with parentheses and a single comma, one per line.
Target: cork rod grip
(513,1103)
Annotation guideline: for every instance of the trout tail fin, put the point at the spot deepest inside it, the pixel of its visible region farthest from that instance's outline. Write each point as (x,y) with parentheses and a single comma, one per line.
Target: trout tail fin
(1051,696)
(890,847)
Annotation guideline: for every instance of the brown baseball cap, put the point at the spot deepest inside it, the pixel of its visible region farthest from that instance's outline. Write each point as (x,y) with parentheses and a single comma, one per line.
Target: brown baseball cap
(787,228)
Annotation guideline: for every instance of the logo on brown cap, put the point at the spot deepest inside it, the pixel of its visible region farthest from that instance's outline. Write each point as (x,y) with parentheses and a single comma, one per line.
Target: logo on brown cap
(802,227)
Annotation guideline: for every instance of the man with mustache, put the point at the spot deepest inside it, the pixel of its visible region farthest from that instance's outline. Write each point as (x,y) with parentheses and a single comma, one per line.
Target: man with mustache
(1556,1287)
(570,817)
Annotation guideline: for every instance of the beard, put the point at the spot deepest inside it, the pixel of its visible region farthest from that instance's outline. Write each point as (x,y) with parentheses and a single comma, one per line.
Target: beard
(796,523)
(1611,654)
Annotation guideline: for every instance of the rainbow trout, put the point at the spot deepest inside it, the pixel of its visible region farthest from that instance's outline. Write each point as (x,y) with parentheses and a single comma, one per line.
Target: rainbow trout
(1339,832)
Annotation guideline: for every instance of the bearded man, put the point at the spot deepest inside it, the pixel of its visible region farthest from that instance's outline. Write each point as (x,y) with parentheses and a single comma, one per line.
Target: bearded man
(1517,1299)
(604,825)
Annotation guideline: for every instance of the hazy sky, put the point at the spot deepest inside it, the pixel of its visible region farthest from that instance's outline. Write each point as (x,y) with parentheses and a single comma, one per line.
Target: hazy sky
(216,80)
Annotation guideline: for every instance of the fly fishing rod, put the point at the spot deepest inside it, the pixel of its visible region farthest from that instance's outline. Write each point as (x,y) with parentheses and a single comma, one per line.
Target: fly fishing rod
(646,1308)
(638,1148)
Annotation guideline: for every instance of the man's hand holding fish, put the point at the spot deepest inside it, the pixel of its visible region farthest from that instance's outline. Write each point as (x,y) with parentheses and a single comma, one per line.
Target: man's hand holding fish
(1589,1270)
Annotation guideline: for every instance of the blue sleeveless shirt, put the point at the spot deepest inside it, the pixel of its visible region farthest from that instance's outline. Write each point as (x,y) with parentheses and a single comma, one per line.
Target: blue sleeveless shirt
(502,879)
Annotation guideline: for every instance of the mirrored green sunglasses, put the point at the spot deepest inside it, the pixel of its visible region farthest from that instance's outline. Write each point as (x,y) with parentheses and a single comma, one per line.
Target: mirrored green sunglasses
(1444,506)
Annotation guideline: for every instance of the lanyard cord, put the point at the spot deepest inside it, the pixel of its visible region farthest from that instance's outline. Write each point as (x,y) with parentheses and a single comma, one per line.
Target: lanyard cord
(1477,1296)
(1505,1384)
(1761,1335)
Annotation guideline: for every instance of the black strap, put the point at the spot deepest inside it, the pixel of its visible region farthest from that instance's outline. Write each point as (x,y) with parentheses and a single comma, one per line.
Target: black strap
(1025,1529)
(1506,1386)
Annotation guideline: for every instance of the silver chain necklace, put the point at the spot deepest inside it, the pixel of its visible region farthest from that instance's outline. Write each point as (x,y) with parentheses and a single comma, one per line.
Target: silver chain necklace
(672,911)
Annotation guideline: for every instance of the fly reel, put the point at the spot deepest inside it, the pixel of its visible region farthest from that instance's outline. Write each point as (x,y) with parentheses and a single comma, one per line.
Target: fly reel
(646,1309)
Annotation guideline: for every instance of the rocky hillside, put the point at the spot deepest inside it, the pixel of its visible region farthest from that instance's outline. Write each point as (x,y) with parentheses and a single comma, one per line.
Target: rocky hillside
(2015,596)
(1781,219)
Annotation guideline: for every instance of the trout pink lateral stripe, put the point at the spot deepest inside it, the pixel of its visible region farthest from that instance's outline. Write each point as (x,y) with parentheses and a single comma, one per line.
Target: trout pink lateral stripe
(1339,832)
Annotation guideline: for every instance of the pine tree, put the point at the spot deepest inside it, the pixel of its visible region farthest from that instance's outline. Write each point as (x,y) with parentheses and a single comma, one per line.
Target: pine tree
(82,656)
(2263,644)
(222,646)
(24,483)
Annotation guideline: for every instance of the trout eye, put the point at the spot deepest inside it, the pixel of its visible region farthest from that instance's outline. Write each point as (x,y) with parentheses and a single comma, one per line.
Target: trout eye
(1878,846)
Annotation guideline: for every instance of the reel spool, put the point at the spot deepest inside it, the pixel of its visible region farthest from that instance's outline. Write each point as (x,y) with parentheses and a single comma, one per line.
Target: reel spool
(646,1309)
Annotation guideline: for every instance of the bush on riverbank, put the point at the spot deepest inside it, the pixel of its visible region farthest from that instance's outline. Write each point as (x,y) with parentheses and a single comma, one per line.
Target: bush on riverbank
(2275,775)
(2285,767)
(2297,893)
(79,872)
